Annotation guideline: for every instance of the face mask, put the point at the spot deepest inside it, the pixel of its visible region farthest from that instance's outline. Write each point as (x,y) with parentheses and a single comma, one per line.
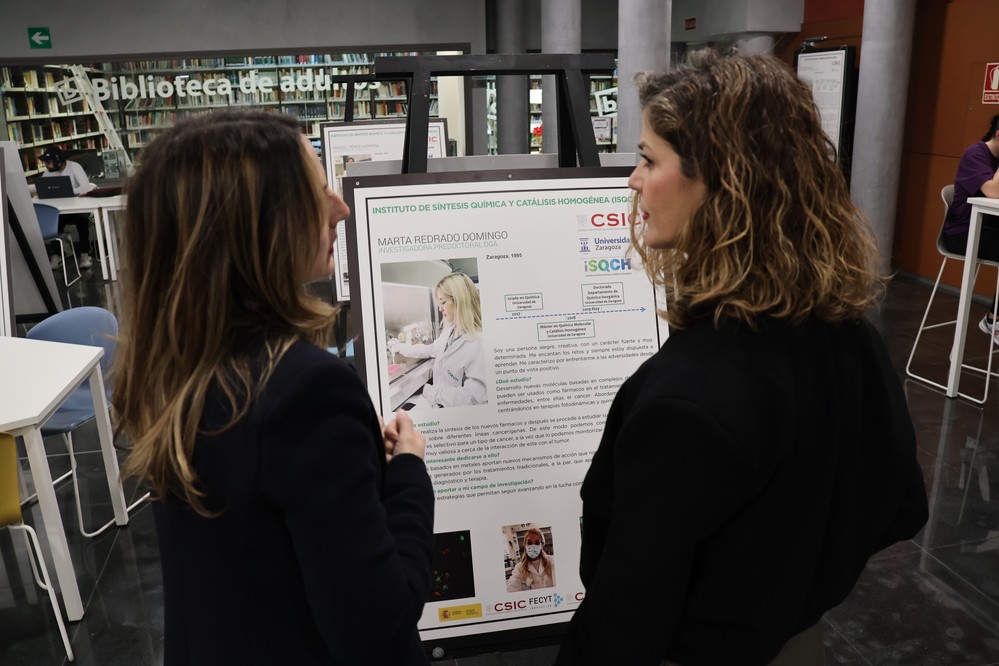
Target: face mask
(533,551)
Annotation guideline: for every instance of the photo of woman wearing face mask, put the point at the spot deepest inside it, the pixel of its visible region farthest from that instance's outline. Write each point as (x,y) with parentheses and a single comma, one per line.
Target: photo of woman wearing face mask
(535,568)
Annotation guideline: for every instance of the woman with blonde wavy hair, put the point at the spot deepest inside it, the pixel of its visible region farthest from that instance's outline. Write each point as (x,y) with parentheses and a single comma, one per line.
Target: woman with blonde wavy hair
(536,568)
(750,467)
(459,371)
(287,517)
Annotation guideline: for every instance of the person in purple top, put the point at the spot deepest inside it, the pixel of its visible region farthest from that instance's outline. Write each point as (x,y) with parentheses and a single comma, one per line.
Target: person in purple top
(977,176)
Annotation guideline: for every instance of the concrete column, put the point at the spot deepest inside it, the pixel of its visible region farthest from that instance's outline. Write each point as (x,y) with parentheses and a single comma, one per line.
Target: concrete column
(561,32)
(642,44)
(882,90)
(755,44)
(513,122)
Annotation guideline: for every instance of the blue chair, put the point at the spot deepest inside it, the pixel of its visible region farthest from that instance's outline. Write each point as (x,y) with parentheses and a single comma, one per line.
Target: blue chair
(48,221)
(10,517)
(80,326)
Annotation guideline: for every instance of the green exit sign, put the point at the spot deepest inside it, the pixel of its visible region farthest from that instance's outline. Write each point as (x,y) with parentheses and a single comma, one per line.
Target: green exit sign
(39,38)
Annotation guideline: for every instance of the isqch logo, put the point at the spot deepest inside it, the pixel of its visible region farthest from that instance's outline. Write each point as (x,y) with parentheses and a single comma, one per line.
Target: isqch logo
(616,265)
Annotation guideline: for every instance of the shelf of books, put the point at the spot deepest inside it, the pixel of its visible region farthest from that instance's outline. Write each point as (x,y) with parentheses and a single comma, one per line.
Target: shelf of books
(160,92)
(603,112)
(35,117)
(147,96)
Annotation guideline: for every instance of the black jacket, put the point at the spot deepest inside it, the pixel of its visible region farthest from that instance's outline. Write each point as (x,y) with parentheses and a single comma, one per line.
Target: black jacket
(321,552)
(742,482)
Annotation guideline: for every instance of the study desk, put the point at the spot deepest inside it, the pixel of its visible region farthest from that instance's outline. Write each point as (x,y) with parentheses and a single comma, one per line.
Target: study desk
(101,207)
(40,376)
(979,206)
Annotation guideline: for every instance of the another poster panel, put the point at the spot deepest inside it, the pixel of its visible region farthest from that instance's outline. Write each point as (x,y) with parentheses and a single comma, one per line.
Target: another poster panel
(512,401)
(826,73)
(367,141)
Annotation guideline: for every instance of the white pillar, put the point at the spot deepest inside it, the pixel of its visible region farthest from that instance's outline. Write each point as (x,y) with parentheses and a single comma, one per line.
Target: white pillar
(561,32)
(642,44)
(762,43)
(513,122)
(881,97)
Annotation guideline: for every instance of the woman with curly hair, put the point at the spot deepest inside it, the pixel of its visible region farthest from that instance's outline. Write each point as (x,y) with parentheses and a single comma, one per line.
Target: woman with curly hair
(750,467)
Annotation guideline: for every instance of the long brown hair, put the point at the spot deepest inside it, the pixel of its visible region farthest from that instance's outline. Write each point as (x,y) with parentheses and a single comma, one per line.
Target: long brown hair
(777,233)
(222,230)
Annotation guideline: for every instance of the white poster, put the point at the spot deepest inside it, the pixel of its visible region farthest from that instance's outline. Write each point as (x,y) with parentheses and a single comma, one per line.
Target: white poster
(367,141)
(826,73)
(512,416)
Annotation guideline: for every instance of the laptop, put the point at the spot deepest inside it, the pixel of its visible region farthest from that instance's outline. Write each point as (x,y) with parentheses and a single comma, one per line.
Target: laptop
(54,187)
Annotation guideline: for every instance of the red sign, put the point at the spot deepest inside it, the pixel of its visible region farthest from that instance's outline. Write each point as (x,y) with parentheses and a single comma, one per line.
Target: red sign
(990,89)
(690,24)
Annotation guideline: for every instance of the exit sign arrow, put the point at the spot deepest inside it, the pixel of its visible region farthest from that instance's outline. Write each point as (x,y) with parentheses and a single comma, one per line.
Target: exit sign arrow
(39,38)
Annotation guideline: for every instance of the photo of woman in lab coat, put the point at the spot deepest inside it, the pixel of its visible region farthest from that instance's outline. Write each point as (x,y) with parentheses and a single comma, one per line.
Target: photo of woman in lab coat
(459,375)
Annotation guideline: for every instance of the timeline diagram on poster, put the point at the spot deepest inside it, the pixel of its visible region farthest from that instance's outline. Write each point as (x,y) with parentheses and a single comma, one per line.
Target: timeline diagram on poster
(503,313)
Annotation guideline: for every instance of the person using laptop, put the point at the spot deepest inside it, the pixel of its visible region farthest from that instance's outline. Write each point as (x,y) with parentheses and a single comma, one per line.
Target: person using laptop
(56,164)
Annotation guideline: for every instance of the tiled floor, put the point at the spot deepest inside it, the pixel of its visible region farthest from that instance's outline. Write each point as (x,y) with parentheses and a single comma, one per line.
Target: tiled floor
(931,601)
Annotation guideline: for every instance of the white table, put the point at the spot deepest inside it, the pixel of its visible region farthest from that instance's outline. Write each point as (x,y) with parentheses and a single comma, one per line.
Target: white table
(40,376)
(979,206)
(101,207)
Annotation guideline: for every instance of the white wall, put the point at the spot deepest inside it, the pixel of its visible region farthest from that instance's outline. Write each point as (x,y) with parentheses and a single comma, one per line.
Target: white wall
(725,18)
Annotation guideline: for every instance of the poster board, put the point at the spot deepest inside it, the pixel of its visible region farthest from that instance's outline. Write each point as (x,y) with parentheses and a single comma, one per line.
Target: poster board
(566,318)
(367,141)
(6,296)
(31,279)
(832,75)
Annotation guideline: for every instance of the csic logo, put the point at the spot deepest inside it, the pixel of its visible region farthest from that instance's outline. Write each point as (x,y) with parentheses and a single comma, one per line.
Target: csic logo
(609,220)
(584,245)
(558,599)
(504,606)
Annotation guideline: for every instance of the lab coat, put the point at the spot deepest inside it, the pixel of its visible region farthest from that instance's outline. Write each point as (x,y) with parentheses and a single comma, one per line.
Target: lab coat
(530,576)
(459,368)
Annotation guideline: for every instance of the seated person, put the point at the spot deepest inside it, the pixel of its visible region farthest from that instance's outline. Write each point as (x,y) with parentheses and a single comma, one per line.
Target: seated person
(56,164)
(977,176)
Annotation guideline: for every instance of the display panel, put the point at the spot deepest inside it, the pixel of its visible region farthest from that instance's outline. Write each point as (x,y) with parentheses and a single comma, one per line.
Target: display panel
(566,317)
(373,141)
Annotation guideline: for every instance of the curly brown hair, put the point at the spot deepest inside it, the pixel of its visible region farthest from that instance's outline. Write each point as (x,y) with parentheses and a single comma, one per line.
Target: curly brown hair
(777,234)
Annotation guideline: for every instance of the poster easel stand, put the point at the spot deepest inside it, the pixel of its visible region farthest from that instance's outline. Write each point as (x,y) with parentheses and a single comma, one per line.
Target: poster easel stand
(577,147)
(576,143)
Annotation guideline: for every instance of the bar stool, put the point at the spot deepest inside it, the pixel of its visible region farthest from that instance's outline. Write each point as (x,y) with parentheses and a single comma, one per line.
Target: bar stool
(947,195)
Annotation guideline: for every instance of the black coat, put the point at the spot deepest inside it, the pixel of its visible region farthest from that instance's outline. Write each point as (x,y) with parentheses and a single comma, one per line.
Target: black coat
(742,482)
(321,552)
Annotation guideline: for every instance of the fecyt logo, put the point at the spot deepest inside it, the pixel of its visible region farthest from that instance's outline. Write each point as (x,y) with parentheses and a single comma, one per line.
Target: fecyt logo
(616,265)
(558,599)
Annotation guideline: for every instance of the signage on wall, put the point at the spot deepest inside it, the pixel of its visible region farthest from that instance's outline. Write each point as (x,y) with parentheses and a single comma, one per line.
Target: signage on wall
(39,38)
(690,24)
(181,87)
(990,88)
